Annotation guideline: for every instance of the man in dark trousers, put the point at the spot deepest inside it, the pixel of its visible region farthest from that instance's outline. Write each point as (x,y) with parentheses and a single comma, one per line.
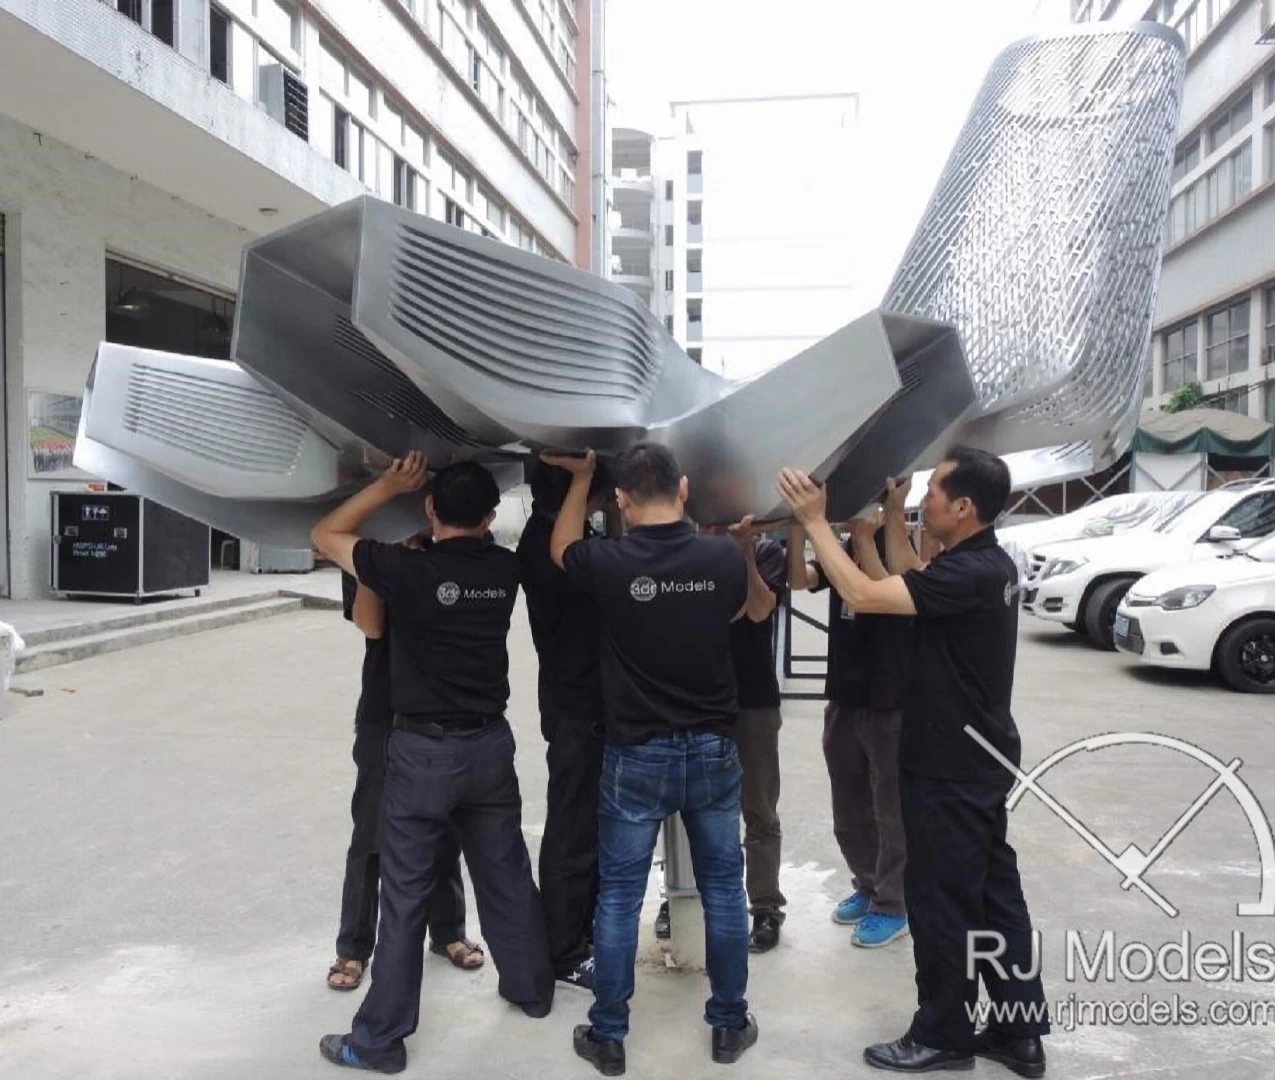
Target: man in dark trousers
(566,629)
(360,893)
(962,875)
(757,736)
(451,755)
(667,596)
(867,671)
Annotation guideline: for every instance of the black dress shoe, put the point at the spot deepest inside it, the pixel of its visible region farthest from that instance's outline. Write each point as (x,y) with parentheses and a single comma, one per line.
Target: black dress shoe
(336,1049)
(729,1044)
(607,1057)
(765,935)
(1023,1054)
(908,1055)
(663,924)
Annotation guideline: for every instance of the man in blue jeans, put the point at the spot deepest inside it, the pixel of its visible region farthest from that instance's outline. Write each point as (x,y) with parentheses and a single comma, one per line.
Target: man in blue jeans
(667,597)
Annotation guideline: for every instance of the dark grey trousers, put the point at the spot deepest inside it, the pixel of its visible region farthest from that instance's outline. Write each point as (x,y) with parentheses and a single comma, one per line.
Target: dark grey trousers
(861,747)
(757,737)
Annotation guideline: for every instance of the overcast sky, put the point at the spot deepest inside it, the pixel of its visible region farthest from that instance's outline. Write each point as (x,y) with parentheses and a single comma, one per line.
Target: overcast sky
(916,64)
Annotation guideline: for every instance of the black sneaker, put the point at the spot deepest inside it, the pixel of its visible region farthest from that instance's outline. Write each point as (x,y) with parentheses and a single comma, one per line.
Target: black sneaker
(579,977)
(606,1057)
(337,1049)
(765,935)
(729,1044)
(663,924)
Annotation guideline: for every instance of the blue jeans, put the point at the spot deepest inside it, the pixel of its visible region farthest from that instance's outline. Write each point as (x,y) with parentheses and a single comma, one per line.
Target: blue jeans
(699,776)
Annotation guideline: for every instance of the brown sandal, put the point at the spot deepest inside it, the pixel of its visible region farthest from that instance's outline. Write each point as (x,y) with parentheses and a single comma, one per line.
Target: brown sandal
(469,957)
(349,969)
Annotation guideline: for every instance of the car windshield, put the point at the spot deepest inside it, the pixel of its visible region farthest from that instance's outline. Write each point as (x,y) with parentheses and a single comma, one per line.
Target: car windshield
(1201,512)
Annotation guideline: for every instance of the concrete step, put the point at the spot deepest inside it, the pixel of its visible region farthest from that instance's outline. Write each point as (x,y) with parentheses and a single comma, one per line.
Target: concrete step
(53,653)
(142,615)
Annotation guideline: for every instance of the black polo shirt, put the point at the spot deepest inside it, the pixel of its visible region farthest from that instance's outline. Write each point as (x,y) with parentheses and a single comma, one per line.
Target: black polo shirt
(374,699)
(867,654)
(565,624)
(965,640)
(753,643)
(667,596)
(449,607)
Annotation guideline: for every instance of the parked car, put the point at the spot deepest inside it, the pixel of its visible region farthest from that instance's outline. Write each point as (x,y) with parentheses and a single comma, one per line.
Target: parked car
(1080,583)
(1102,517)
(1214,614)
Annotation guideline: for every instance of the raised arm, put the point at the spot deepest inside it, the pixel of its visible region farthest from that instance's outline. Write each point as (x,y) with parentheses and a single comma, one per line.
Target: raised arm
(569,527)
(801,575)
(761,601)
(337,533)
(809,503)
(900,555)
(863,534)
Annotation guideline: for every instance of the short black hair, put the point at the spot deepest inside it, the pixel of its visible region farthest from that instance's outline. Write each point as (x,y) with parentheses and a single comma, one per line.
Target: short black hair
(464,494)
(549,485)
(981,477)
(648,472)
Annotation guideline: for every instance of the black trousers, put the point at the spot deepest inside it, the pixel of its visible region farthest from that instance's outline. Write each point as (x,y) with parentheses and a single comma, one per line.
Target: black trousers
(961,876)
(360,893)
(571,725)
(433,784)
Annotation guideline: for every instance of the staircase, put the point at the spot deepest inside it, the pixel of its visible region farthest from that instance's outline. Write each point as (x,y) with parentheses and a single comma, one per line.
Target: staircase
(65,644)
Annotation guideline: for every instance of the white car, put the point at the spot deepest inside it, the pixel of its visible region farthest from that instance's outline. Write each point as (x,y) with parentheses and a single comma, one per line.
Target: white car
(1080,582)
(1103,517)
(1210,614)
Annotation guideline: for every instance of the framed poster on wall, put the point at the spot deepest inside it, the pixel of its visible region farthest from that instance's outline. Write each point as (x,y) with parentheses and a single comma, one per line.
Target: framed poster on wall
(52,423)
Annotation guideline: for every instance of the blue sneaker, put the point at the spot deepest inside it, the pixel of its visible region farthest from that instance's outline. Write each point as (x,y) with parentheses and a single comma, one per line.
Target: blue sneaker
(877,929)
(853,908)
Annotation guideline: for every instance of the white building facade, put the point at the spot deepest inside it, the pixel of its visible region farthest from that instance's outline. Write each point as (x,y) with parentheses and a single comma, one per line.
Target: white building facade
(144,142)
(746,257)
(1215,316)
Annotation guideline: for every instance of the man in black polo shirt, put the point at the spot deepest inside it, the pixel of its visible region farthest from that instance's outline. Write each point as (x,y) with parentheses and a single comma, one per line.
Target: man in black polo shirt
(867,671)
(566,629)
(962,875)
(451,755)
(359,895)
(667,597)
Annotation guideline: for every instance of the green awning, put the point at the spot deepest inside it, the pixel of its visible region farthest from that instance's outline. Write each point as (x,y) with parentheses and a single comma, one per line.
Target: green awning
(1206,431)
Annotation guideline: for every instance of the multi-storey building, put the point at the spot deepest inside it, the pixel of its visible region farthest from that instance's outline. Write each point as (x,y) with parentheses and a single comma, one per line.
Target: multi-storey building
(744,271)
(143,142)
(1215,318)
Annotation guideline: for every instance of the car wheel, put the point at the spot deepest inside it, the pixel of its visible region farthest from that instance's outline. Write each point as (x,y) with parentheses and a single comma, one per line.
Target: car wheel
(1246,656)
(1100,612)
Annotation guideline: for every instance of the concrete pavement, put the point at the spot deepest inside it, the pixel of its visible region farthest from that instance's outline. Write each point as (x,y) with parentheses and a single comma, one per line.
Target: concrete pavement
(173,821)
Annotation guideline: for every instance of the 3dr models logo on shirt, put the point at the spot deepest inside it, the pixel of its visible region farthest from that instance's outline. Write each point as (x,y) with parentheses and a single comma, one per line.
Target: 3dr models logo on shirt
(448,593)
(643,588)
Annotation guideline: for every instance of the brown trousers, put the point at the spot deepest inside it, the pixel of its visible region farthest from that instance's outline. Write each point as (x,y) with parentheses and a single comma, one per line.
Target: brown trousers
(757,736)
(861,747)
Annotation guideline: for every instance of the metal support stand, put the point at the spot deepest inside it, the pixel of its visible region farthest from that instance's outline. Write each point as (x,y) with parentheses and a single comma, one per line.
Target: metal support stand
(686,912)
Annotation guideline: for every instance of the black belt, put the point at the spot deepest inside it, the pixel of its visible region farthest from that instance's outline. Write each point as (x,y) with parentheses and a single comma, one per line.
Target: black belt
(450,726)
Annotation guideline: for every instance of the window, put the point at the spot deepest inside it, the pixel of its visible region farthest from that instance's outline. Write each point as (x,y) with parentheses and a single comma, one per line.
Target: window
(1237,116)
(668,323)
(162,25)
(1180,350)
(697,355)
(1233,401)
(694,162)
(668,235)
(694,311)
(149,310)
(360,166)
(695,261)
(1269,341)
(668,190)
(453,214)
(1213,194)
(340,137)
(495,212)
(668,280)
(404,184)
(1270,151)
(130,9)
(1270,87)
(219,45)
(566,186)
(1227,348)
(1254,516)
(695,213)
(1186,159)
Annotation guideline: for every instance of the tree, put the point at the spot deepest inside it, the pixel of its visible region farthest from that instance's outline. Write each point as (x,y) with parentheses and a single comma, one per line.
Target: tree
(1187,396)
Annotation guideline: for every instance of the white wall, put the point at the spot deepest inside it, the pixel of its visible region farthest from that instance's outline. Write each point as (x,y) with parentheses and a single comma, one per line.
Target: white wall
(63,213)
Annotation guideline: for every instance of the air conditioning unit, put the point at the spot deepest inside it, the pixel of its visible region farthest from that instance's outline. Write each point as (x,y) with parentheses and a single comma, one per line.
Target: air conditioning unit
(285,98)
